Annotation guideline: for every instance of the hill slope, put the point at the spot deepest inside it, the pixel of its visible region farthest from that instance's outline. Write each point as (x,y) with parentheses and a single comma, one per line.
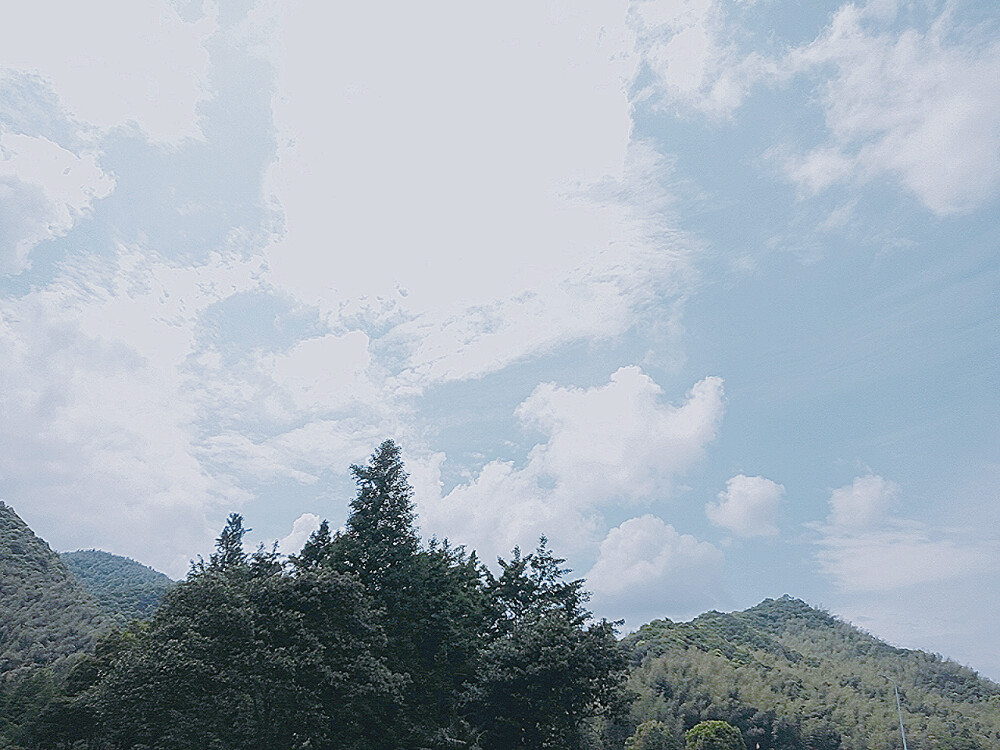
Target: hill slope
(123,588)
(45,613)
(791,676)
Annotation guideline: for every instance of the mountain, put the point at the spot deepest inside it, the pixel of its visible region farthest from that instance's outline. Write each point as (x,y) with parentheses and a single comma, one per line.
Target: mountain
(123,588)
(45,613)
(791,676)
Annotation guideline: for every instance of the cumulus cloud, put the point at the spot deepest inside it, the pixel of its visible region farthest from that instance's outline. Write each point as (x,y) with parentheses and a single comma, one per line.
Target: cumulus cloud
(863,503)
(864,547)
(747,507)
(302,529)
(647,569)
(602,446)
(44,191)
(918,105)
(113,72)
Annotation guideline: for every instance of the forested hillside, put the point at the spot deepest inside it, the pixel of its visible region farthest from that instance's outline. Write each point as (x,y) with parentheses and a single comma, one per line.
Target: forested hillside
(45,613)
(124,589)
(790,676)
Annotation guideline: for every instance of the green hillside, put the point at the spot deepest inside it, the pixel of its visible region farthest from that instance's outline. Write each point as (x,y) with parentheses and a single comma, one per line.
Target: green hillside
(791,676)
(123,588)
(45,613)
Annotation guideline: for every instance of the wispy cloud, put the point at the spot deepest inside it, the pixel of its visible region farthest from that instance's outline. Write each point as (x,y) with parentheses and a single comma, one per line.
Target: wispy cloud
(689,48)
(917,104)
(44,190)
(865,547)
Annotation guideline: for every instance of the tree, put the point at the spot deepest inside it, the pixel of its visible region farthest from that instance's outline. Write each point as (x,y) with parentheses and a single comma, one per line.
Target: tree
(229,546)
(316,550)
(653,735)
(247,654)
(431,601)
(380,533)
(714,735)
(545,669)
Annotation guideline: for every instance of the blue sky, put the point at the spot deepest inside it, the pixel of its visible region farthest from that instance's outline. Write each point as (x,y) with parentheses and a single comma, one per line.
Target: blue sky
(703,290)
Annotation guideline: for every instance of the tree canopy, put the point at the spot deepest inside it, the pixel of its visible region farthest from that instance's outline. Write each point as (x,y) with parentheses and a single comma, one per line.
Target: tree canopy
(714,735)
(367,638)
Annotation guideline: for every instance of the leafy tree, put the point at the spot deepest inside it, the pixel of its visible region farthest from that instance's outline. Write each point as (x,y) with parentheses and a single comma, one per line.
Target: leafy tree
(545,669)
(45,614)
(653,735)
(245,654)
(714,735)
(316,549)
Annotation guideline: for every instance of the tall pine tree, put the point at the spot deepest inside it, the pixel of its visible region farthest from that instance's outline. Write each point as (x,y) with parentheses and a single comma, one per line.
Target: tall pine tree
(433,605)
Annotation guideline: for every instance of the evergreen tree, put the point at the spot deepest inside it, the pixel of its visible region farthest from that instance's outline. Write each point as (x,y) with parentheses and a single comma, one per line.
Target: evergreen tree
(316,550)
(229,546)
(380,535)
(430,600)
(544,670)
(246,655)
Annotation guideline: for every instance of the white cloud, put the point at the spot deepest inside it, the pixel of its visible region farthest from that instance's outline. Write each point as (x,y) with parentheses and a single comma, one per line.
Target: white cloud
(863,547)
(748,506)
(460,200)
(603,446)
(325,372)
(112,62)
(903,555)
(647,569)
(506,213)
(921,106)
(863,503)
(99,438)
(44,191)
(302,529)
(619,441)
(686,45)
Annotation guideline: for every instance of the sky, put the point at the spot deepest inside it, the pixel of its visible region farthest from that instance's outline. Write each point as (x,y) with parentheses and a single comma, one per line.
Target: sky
(705,291)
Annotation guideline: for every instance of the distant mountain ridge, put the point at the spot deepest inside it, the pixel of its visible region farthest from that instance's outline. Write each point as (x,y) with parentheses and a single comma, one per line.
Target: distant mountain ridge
(45,613)
(123,588)
(792,676)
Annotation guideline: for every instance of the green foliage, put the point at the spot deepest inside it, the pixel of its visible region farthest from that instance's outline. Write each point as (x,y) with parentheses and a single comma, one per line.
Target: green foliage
(653,735)
(246,654)
(714,735)
(432,606)
(124,589)
(45,614)
(543,671)
(791,677)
